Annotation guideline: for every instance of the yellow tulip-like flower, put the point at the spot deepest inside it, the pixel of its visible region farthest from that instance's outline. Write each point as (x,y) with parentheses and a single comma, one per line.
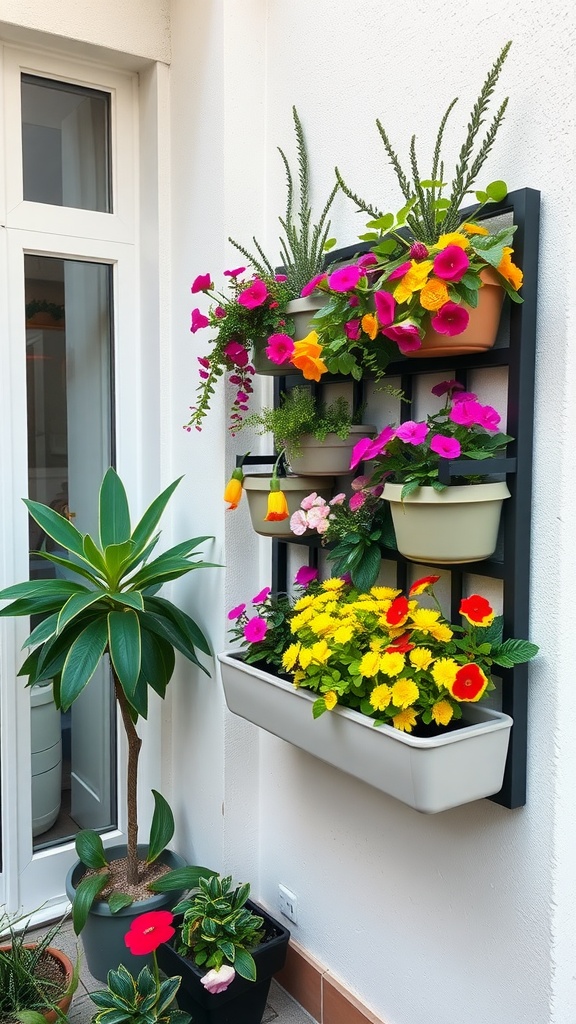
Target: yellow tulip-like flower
(277,504)
(290,657)
(405,720)
(444,672)
(380,697)
(453,238)
(233,490)
(404,693)
(475,229)
(330,700)
(298,677)
(442,712)
(509,270)
(370,325)
(421,658)
(370,664)
(306,357)
(392,663)
(434,294)
(320,652)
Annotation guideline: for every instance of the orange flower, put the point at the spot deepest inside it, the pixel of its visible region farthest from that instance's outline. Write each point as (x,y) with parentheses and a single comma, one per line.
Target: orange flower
(306,357)
(475,229)
(370,325)
(453,238)
(233,491)
(434,294)
(277,505)
(509,270)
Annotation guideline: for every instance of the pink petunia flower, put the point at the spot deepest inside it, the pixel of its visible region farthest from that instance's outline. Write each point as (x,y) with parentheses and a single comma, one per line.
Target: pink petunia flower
(359,482)
(216,981)
(234,273)
(344,279)
(406,336)
(305,575)
(411,432)
(379,443)
(451,263)
(280,348)
(280,278)
(488,418)
(236,353)
(201,283)
(204,361)
(385,308)
(254,295)
(369,260)
(198,321)
(447,387)
(400,271)
(445,447)
(451,318)
(359,451)
(261,597)
(312,285)
(220,312)
(236,612)
(464,396)
(352,329)
(357,500)
(322,526)
(299,523)
(338,499)
(255,629)
(311,500)
(241,397)
(467,413)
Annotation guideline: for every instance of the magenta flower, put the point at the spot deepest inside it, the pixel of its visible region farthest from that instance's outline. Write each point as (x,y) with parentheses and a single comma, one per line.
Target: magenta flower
(241,397)
(299,523)
(204,361)
(312,285)
(466,414)
(345,279)
(451,319)
(352,329)
(379,443)
(447,387)
(418,251)
(280,348)
(305,575)
(359,482)
(201,283)
(234,273)
(236,612)
(203,374)
(220,312)
(411,432)
(406,336)
(357,500)
(198,321)
(464,396)
(254,295)
(353,301)
(400,271)
(216,981)
(488,418)
(255,629)
(236,353)
(385,308)
(451,263)
(359,451)
(445,447)
(261,597)
(280,278)
(369,260)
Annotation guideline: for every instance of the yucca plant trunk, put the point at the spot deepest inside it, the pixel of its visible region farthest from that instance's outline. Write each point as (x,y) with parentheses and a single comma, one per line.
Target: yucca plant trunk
(134,744)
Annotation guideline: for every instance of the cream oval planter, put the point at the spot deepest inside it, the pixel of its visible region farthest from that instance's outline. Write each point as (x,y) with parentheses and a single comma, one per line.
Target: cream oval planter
(296,488)
(330,457)
(300,312)
(429,775)
(459,524)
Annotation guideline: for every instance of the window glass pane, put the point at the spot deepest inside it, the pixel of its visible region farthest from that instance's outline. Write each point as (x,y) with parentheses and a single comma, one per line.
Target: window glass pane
(65,145)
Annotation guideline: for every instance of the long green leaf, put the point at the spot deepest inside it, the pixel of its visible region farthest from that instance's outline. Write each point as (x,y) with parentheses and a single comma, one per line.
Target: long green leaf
(244,964)
(82,661)
(128,599)
(43,588)
(167,994)
(158,661)
(86,892)
(152,515)
(56,526)
(125,647)
(43,631)
(138,698)
(75,606)
(90,849)
(119,900)
(69,565)
(165,629)
(94,556)
(163,569)
(32,606)
(181,879)
(119,558)
(161,829)
(53,652)
(181,620)
(114,514)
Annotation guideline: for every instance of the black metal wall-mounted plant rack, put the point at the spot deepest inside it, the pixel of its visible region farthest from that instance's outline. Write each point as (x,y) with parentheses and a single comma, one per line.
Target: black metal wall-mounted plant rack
(512,566)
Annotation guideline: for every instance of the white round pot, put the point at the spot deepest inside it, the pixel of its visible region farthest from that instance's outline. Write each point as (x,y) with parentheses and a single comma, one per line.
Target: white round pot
(46,746)
(459,524)
(296,488)
(330,457)
(300,312)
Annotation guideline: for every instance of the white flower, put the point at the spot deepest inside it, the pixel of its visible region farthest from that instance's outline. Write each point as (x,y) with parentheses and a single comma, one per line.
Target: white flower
(218,981)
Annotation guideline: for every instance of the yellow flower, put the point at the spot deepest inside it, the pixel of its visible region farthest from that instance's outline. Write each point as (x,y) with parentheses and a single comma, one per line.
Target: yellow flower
(380,697)
(290,656)
(300,620)
(277,505)
(405,720)
(377,644)
(322,623)
(303,602)
(384,593)
(404,693)
(434,294)
(370,325)
(441,632)
(343,634)
(298,677)
(421,658)
(305,658)
(444,672)
(334,583)
(367,605)
(453,238)
(306,357)
(509,270)
(413,280)
(424,619)
(442,712)
(233,490)
(320,652)
(370,664)
(330,700)
(475,229)
(392,663)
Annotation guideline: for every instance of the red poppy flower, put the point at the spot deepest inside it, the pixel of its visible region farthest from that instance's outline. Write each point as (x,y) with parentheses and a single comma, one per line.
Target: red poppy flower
(469,683)
(397,612)
(148,931)
(419,586)
(477,610)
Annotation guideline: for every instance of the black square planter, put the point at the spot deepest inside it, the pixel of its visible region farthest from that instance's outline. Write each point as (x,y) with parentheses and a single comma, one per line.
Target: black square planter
(244,1001)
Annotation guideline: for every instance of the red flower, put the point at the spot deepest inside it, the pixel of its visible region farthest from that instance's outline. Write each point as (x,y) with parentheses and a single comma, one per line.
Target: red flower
(469,684)
(419,586)
(477,610)
(401,645)
(397,612)
(148,931)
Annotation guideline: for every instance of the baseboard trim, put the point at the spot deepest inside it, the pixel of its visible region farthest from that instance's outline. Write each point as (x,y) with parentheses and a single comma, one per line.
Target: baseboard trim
(319,992)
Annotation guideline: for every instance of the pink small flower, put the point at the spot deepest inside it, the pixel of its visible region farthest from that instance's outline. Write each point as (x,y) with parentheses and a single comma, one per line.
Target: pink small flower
(305,575)
(255,629)
(357,500)
(385,308)
(203,374)
(451,318)
(447,387)
(344,279)
(338,499)
(218,981)
(322,526)
(466,414)
(488,418)
(317,515)
(298,523)
(411,432)
(352,329)
(273,305)
(204,361)
(241,397)
(280,348)
(261,597)
(311,500)
(418,251)
(379,443)
(312,285)
(400,271)
(451,263)
(445,447)
(234,273)
(236,353)
(201,283)
(406,336)
(220,312)
(198,321)
(235,379)
(236,612)
(353,301)
(369,260)
(359,482)
(254,295)
(464,396)
(280,278)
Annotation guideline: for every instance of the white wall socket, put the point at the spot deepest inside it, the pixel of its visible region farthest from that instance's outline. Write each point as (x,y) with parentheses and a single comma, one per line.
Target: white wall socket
(288,903)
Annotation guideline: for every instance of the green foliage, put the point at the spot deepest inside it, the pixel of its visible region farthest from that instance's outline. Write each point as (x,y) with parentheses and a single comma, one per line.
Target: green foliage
(161,829)
(276,610)
(298,414)
(24,985)
(141,1000)
(218,928)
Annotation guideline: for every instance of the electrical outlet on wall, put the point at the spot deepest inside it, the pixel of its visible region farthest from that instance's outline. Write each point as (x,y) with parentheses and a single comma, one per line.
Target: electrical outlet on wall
(288,903)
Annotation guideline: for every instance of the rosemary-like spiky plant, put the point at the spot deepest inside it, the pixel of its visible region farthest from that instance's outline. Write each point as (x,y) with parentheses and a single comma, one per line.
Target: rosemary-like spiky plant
(303,245)
(427,213)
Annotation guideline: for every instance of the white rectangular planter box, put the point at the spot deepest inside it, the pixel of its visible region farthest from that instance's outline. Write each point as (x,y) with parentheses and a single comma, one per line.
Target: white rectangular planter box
(429,775)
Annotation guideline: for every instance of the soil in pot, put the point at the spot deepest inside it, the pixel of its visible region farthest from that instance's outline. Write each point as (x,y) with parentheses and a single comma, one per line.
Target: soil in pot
(53,976)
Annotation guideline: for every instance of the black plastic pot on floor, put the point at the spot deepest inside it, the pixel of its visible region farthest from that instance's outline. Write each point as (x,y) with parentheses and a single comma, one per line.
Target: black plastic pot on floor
(244,1001)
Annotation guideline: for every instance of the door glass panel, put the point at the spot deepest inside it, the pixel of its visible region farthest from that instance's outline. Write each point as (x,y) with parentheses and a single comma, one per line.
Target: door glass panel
(70,431)
(65,144)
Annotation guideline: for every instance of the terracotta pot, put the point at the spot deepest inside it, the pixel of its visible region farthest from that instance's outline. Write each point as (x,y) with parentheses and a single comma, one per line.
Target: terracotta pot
(482,329)
(64,1004)
(296,488)
(457,525)
(301,312)
(330,457)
